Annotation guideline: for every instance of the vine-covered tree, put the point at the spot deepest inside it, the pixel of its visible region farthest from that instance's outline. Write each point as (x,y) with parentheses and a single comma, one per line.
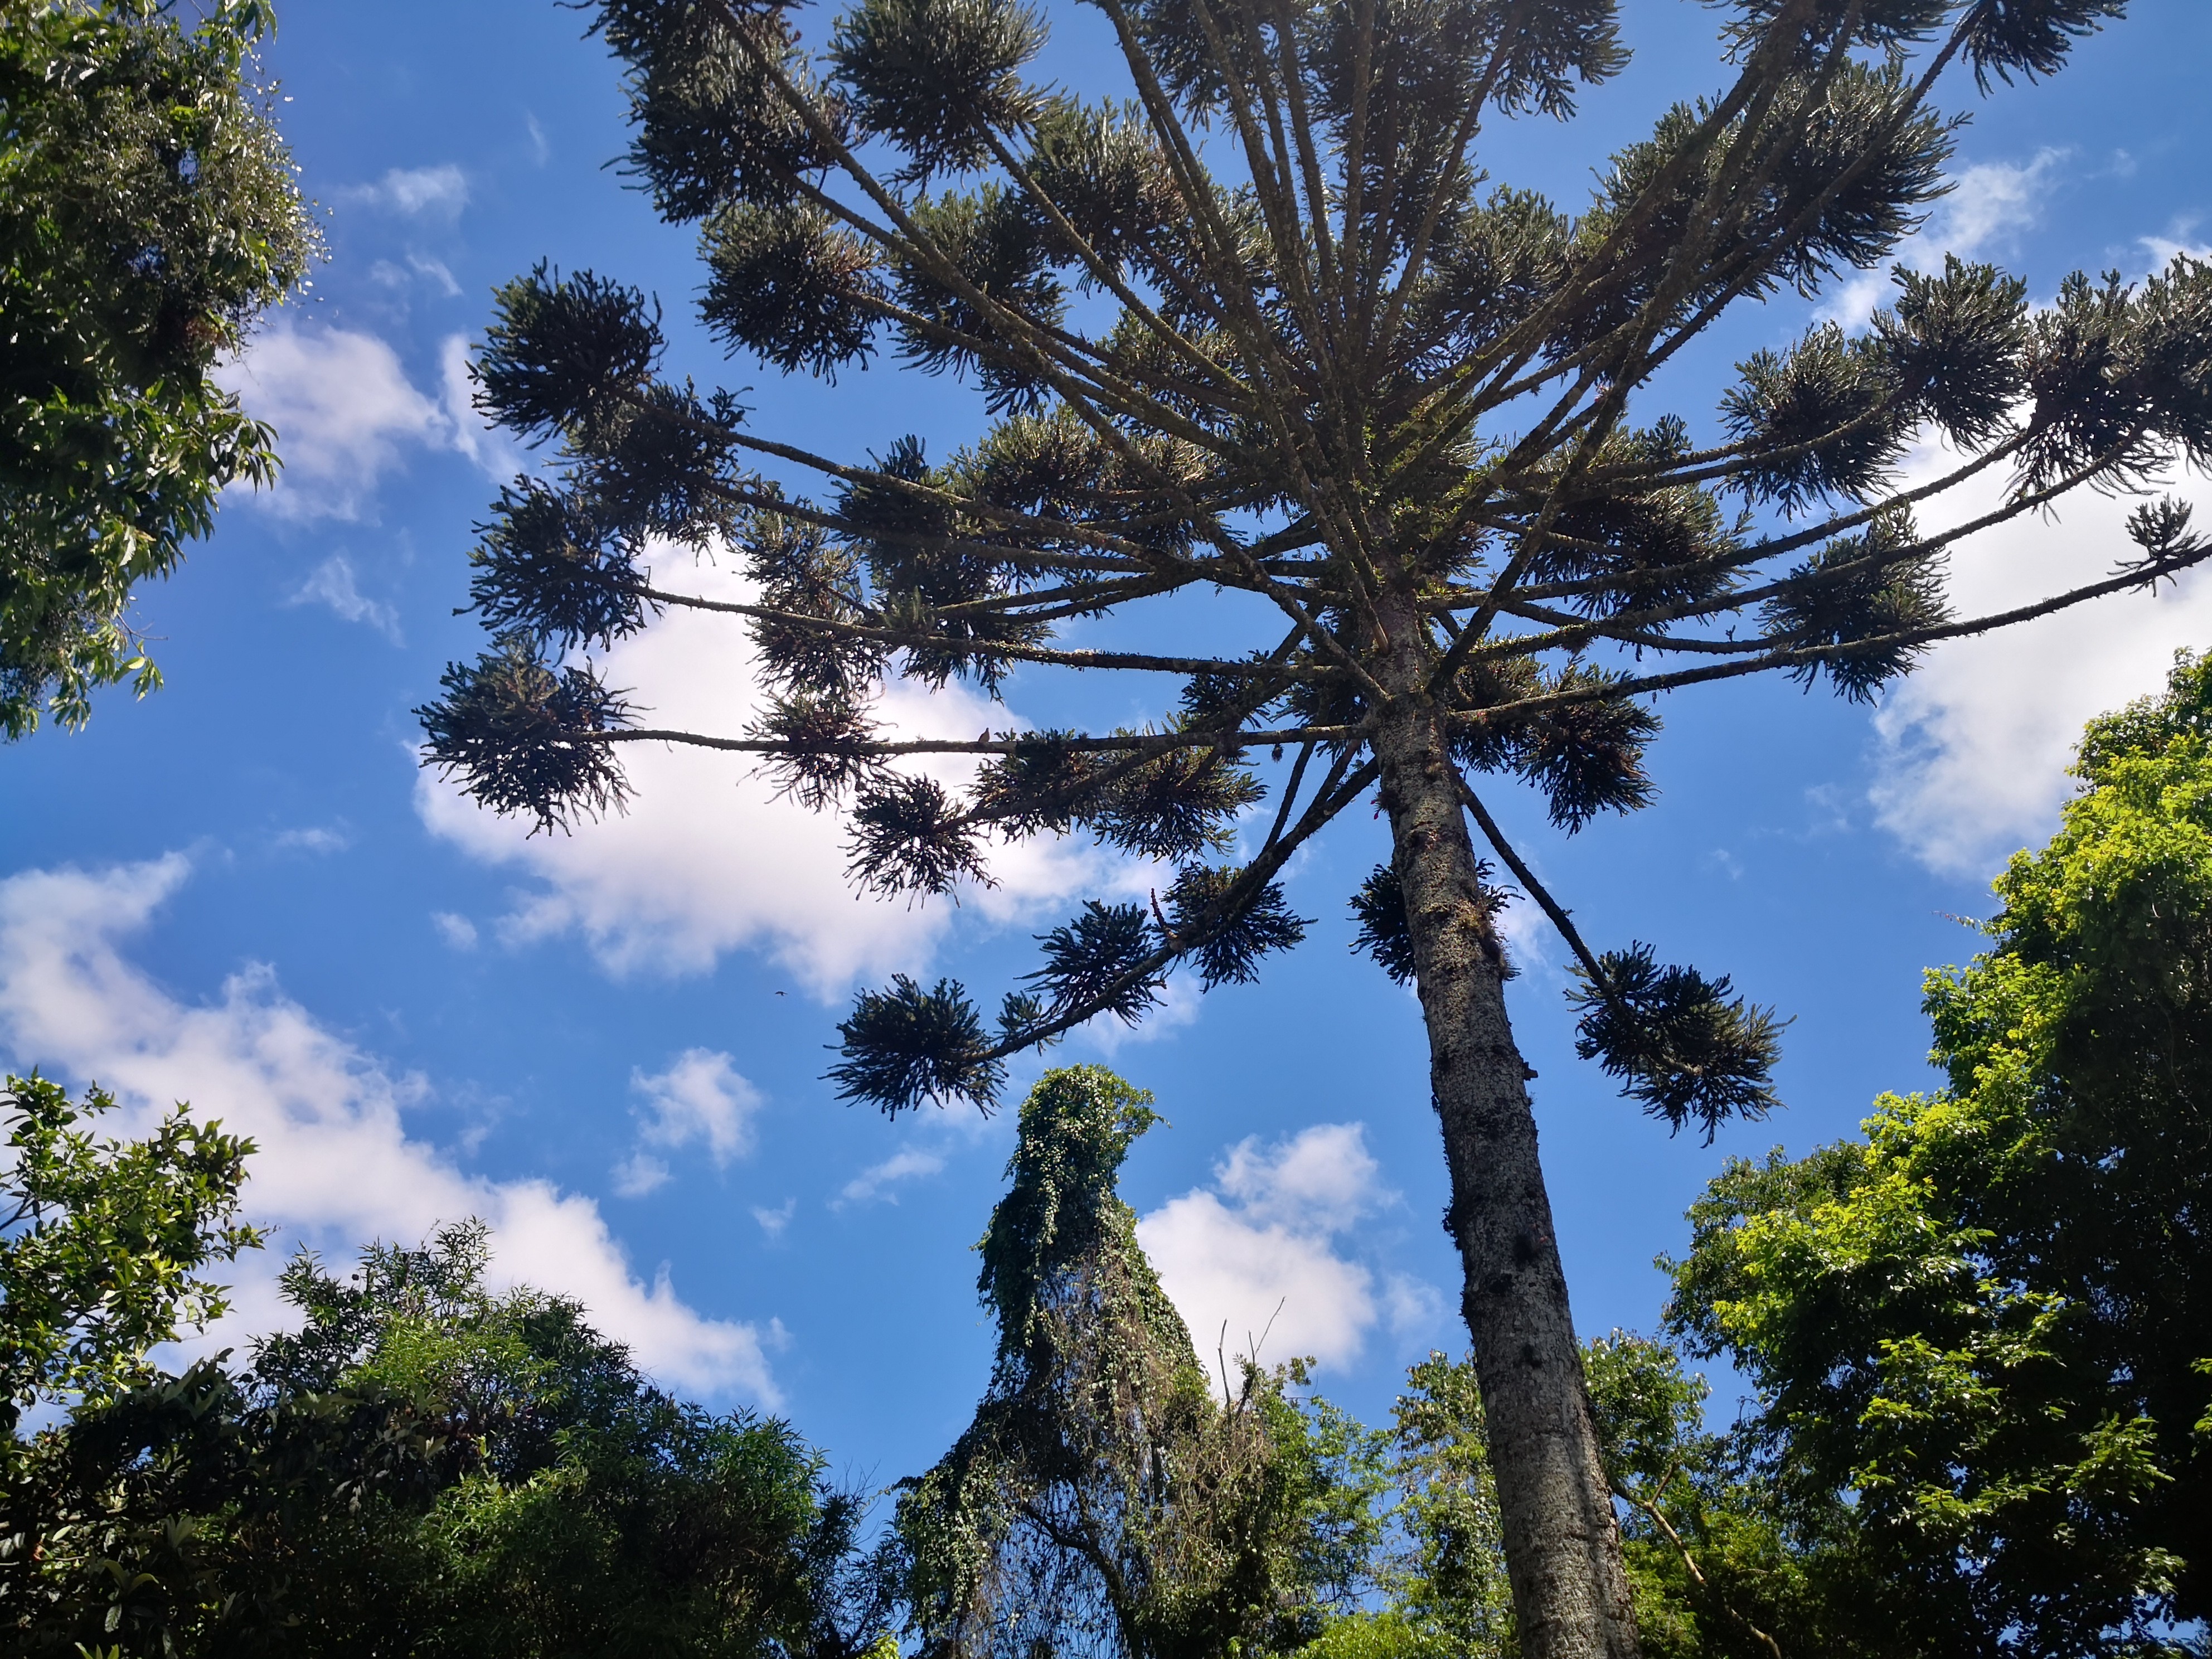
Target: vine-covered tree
(147,215)
(1104,1501)
(1265,348)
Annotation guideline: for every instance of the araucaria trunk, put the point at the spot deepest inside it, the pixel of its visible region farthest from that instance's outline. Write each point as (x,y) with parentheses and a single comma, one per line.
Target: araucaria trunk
(1570,1588)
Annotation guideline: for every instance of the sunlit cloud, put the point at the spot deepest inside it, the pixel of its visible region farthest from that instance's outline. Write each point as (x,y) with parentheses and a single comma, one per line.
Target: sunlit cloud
(335,1165)
(1974,744)
(1256,1263)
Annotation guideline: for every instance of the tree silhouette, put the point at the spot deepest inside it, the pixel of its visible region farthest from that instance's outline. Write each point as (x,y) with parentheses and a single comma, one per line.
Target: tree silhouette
(1263,331)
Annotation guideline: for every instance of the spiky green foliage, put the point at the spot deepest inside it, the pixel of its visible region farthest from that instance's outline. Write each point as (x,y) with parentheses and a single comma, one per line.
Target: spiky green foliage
(1379,908)
(1680,1045)
(1105,1501)
(1231,954)
(907,1045)
(1400,409)
(525,728)
(148,216)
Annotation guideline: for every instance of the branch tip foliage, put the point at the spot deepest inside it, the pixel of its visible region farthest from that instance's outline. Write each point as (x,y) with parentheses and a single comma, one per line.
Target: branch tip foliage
(1405,415)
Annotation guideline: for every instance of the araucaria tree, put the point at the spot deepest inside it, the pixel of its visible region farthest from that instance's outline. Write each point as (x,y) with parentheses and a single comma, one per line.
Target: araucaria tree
(1263,345)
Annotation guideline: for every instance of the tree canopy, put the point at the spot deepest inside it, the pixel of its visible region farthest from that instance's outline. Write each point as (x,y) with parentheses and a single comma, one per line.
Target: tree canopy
(1261,337)
(106,1243)
(1978,1335)
(428,1467)
(147,215)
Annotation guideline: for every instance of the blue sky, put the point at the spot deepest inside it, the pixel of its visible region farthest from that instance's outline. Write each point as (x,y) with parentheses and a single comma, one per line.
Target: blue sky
(243,893)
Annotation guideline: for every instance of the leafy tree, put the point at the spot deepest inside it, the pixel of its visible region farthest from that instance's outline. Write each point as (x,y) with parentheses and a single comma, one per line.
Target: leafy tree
(1439,1580)
(429,1469)
(147,214)
(1978,1335)
(1717,1566)
(104,1244)
(1104,1501)
(1261,340)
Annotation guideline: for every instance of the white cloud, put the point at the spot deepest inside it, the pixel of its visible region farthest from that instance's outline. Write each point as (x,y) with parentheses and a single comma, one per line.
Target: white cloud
(1527,934)
(331,585)
(497,455)
(639,1174)
(344,410)
(1262,1271)
(437,192)
(336,1166)
(437,272)
(317,838)
(1414,1307)
(346,415)
(1974,742)
(705,860)
(1994,201)
(459,932)
(873,1181)
(701,1098)
(2165,250)
(1990,203)
(1181,1003)
(773,1222)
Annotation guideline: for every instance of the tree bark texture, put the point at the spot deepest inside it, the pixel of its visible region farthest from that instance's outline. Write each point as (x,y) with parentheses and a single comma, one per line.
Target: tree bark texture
(1562,1543)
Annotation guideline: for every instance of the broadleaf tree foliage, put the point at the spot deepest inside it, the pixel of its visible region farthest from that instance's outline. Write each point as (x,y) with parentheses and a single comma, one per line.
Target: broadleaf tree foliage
(1261,336)
(1977,1334)
(105,1243)
(430,1467)
(148,216)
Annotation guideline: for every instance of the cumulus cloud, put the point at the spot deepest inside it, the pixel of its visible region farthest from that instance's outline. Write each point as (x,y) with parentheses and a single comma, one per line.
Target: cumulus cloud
(434,192)
(345,412)
(347,415)
(773,1222)
(700,1100)
(1973,744)
(336,1166)
(1255,1263)
(706,860)
(1990,206)
(331,585)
